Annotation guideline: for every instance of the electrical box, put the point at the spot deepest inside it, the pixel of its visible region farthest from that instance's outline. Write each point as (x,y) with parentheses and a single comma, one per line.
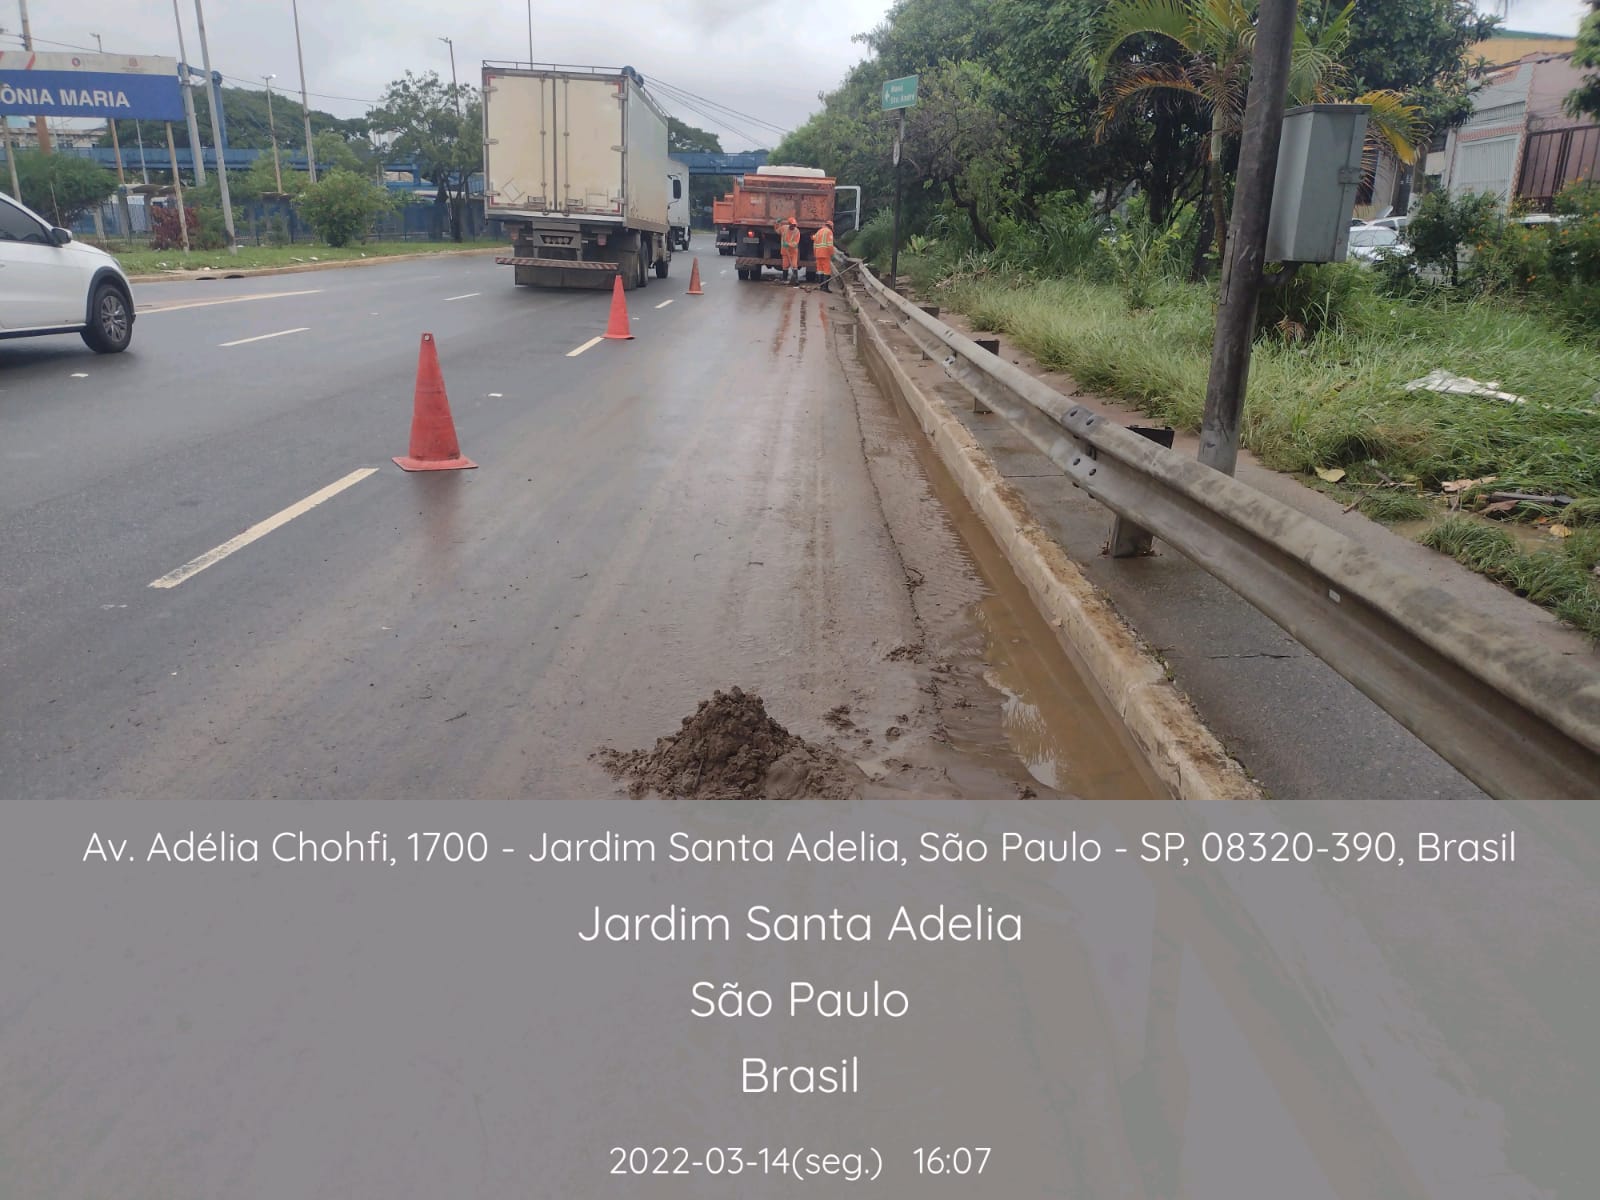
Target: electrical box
(1319,175)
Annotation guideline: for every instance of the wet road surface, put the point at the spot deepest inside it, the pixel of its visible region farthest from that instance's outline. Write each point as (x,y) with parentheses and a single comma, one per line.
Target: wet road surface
(721,501)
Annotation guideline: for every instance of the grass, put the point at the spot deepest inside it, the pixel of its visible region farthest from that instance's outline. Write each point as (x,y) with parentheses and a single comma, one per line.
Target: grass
(153,262)
(1561,579)
(1339,399)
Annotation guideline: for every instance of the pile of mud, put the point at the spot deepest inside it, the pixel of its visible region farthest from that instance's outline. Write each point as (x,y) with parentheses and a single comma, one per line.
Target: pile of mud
(730,749)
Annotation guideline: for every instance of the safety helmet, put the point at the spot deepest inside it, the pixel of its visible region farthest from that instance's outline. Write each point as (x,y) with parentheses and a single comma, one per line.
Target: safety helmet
(792,221)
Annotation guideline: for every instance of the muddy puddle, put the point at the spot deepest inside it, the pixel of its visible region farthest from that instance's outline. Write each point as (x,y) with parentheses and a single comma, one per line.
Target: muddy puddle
(1010,697)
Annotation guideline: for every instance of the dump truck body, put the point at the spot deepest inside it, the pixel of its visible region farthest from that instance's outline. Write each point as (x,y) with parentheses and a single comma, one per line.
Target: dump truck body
(722,221)
(773,194)
(576,166)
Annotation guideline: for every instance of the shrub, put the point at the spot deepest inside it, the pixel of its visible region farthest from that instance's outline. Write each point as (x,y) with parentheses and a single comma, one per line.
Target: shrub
(1315,298)
(62,187)
(872,242)
(1441,226)
(341,206)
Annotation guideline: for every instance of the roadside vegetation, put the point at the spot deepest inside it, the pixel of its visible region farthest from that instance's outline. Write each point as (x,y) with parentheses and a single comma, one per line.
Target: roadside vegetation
(1083,224)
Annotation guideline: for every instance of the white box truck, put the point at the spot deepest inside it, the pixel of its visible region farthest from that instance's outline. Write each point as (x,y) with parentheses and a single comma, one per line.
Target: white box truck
(575,164)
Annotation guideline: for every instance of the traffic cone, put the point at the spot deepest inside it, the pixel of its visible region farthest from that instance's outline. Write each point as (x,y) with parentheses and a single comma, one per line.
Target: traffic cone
(694,280)
(617,328)
(433,432)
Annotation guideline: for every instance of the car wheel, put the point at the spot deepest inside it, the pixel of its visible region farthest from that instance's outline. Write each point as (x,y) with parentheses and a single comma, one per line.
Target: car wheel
(662,267)
(110,327)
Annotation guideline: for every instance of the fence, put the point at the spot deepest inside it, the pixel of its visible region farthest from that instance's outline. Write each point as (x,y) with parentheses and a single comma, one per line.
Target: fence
(1556,158)
(274,221)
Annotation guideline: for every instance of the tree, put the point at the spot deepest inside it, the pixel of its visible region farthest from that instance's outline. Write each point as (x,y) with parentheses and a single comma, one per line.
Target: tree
(1415,47)
(686,139)
(341,206)
(62,186)
(335,153)
(1217,38)
(438,126)
(958,140)
(1586,99)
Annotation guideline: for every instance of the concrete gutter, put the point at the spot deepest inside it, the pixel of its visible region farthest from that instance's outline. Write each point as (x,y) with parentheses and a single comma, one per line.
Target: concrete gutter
(295,269)
(1183,753)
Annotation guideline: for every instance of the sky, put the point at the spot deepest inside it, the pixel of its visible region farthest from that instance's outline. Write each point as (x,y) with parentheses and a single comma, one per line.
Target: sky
(765,58)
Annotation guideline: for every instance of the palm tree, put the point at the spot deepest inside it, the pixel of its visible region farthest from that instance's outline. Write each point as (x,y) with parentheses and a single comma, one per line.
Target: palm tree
(1216,43)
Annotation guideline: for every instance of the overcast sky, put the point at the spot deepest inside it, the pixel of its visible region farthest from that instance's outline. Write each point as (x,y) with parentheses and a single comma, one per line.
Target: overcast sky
(766,58)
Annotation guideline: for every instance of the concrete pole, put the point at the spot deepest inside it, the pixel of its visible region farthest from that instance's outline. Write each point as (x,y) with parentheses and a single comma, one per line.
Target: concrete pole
(272,126)
(305,102)
(196,150)
(1247,235)
(216,118)
(39,124)
(453,84)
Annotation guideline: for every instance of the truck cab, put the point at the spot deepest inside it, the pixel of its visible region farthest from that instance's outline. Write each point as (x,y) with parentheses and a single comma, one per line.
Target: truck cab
(678,217)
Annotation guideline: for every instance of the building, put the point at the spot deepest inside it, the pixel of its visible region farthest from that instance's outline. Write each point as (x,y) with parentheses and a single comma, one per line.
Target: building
(1520,143)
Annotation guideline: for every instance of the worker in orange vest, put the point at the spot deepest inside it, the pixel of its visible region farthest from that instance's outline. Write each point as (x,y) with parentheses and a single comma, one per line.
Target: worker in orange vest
(789,237)
(822,247)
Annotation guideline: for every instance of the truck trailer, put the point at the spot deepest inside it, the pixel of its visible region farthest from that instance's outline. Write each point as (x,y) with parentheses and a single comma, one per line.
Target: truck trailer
(575,165)
(773,194)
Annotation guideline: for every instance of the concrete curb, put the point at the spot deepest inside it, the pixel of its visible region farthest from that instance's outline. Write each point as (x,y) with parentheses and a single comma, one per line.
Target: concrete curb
(1183,753)
(297,268)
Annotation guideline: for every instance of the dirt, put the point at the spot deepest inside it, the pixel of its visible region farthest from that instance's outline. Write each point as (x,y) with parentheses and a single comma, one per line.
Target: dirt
(731,749)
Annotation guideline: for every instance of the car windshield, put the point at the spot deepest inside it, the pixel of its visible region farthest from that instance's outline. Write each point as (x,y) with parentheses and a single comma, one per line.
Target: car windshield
(1372,235)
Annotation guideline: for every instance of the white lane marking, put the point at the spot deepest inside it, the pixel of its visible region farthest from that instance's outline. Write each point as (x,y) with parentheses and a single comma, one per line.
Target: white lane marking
(589,345)
(261,337)
(496,395)
(260,530)
(227,300)
(80,375)
(664,303)
(465,296)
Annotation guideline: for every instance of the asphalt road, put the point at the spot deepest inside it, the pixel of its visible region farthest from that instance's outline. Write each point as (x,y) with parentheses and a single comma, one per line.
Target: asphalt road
(651,520)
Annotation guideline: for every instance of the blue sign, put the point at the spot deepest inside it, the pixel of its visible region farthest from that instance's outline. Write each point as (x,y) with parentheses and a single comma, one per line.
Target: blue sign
(90,94)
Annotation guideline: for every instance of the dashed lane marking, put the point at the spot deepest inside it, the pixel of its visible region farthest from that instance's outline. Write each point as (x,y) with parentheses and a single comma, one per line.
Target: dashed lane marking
(463,296)
(589,345)
(161,308)
(260,530)
(261,337)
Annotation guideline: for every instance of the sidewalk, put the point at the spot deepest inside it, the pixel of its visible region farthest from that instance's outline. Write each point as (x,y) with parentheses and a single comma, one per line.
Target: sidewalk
(1297,727)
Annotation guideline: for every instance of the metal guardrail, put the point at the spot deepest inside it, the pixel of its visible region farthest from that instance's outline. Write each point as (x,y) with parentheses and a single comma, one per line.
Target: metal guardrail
(1520,721)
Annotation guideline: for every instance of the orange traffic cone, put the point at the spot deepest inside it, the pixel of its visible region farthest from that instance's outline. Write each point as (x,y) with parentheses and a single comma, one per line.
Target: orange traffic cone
(617,327)
(433,432)
(694,280)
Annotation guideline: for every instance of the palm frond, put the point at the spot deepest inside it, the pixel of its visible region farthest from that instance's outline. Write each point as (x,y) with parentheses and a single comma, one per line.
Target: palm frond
(1126,19)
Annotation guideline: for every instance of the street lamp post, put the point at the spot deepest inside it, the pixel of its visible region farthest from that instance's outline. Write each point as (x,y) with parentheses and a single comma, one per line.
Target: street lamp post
(305,101)
(216,124)
(454,86)
(272,126)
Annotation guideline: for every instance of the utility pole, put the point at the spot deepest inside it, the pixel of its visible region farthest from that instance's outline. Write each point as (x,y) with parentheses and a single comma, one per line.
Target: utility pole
(39,125)
(454,87)
(196,150)
(530,33)
(305,101)
(1247,235)
(216,123)
(272,126)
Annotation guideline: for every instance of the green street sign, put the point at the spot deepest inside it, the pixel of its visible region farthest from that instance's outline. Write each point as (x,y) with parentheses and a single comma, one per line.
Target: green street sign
(900,93)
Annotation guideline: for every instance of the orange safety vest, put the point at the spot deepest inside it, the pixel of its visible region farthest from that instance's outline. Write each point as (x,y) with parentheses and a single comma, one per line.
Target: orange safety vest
(822,241)
(790,236)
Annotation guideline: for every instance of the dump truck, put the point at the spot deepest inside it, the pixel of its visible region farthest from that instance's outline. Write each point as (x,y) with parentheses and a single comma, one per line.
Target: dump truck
(722,221)
(758,202)
(575,166)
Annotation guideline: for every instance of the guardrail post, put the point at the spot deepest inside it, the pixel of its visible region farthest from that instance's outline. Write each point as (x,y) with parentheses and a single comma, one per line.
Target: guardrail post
(1127,539)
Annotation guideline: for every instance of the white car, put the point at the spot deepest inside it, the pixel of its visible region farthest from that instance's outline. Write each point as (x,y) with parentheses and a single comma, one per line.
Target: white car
(52,284)
(1369,242)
